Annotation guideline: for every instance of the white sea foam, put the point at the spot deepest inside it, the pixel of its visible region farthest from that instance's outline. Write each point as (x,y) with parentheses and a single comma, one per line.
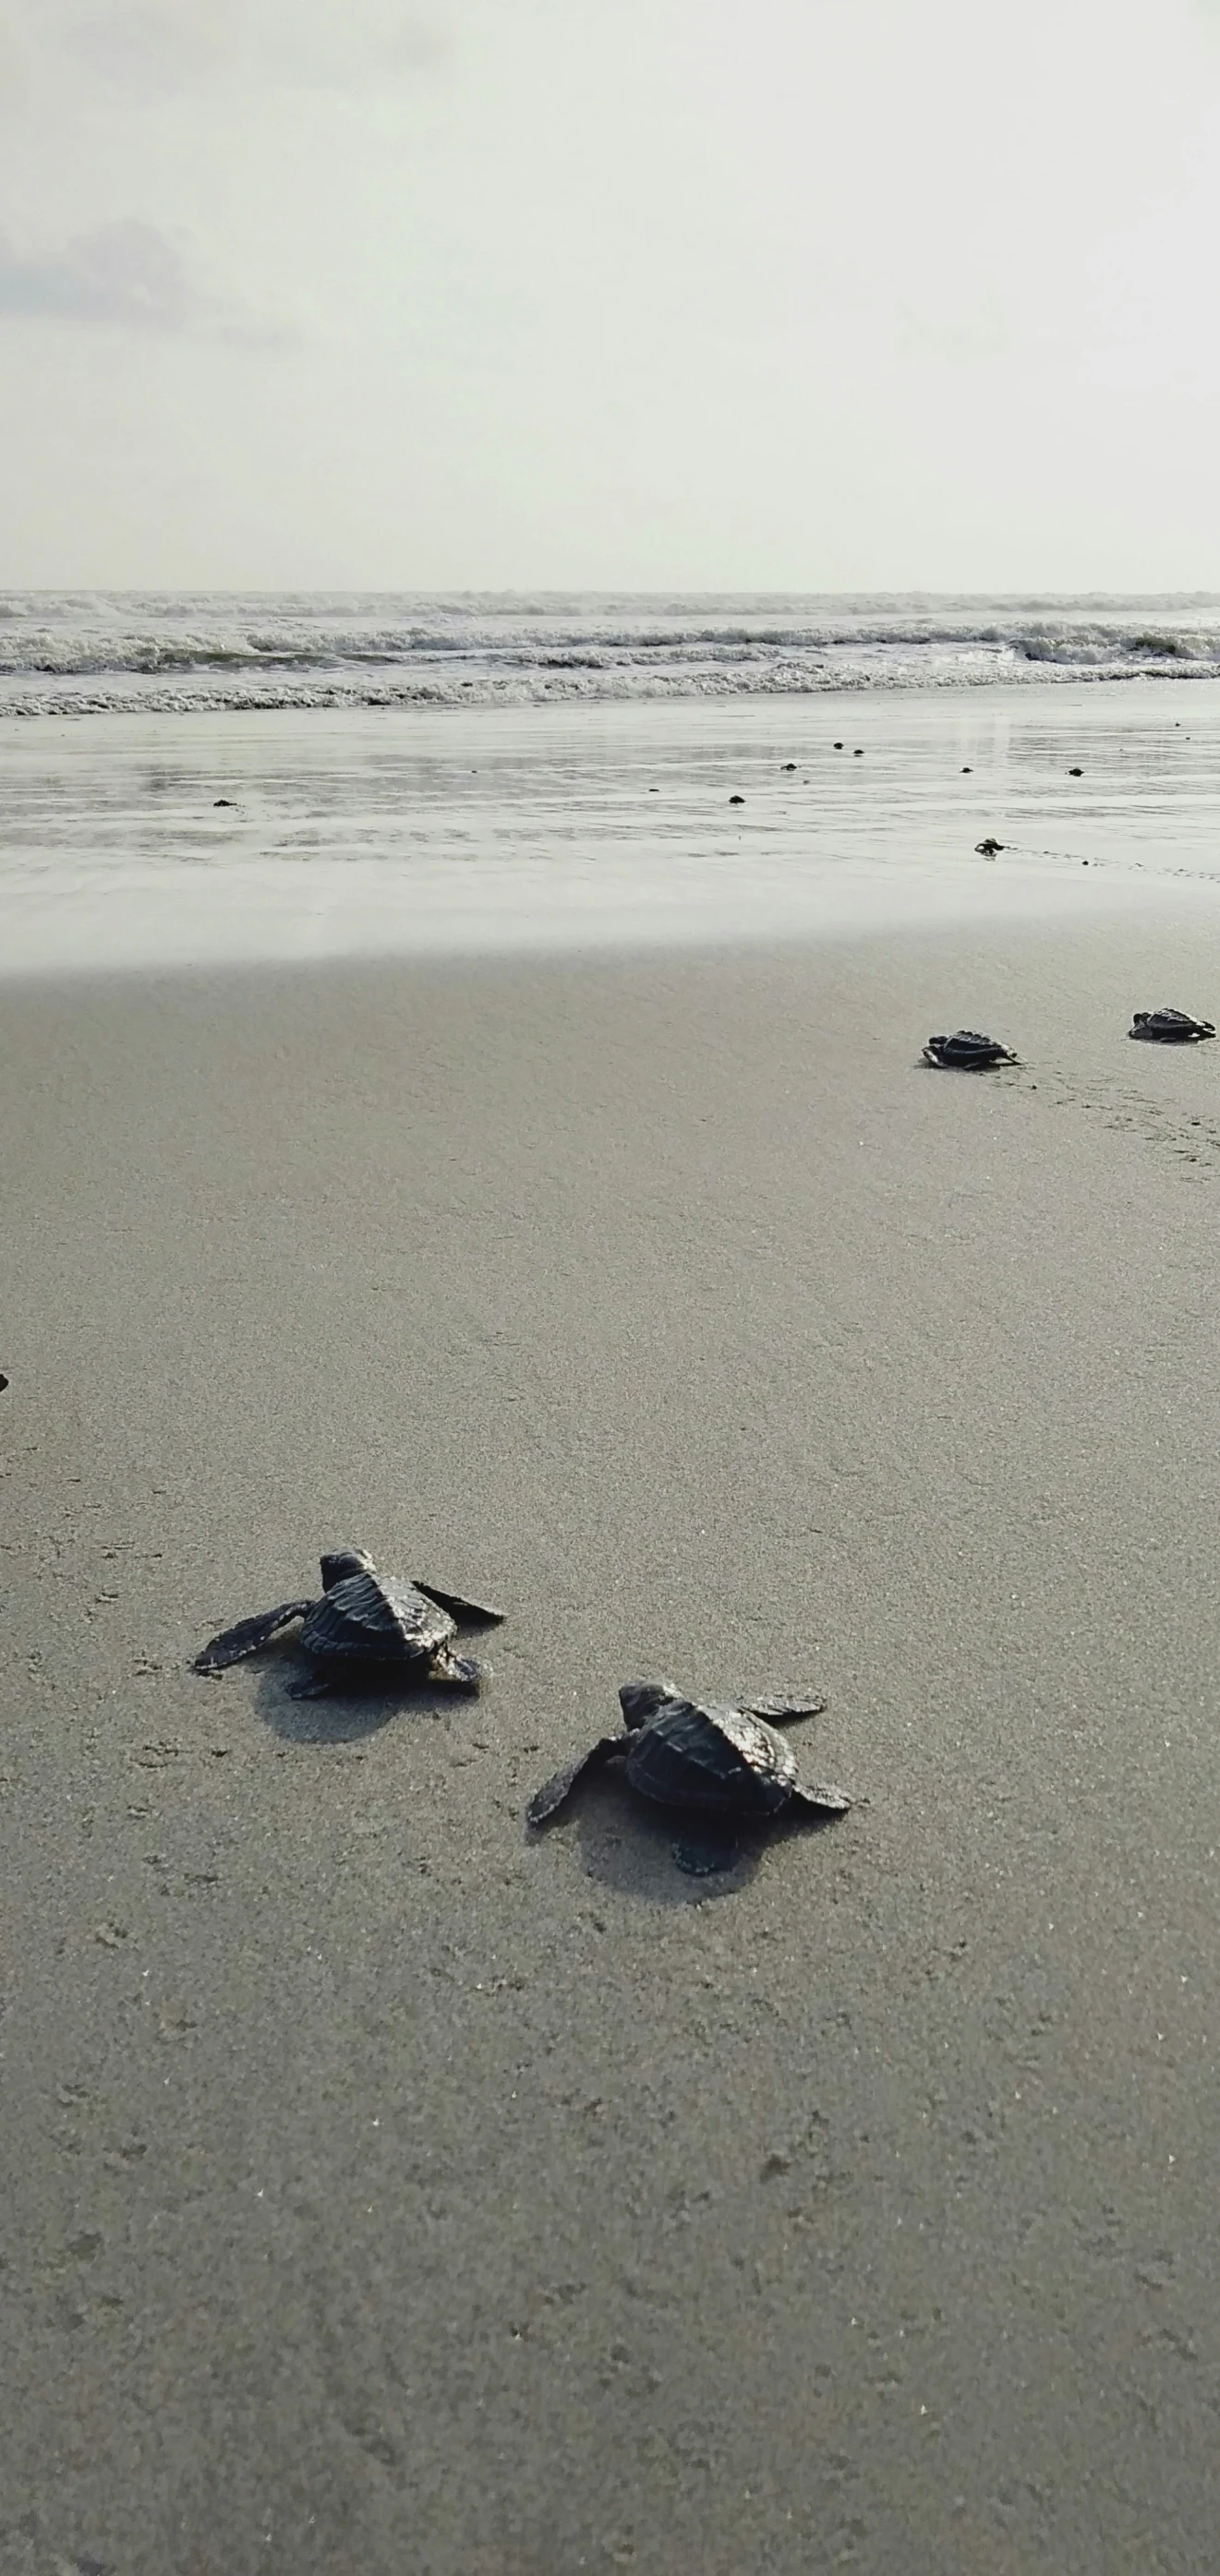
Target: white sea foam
(90,654)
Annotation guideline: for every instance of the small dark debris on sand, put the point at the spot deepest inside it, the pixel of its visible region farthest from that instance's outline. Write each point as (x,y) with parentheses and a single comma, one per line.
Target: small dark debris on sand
(737,800)
(225,800)
(968,1050)
(838,746)
(1075,773)
(1169,1028)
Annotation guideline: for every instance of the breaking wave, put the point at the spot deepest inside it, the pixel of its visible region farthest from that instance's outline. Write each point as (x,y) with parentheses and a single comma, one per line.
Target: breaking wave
(90,653)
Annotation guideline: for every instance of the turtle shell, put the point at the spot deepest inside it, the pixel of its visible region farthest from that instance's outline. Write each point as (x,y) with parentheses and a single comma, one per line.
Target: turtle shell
(721,1759)
(969,1049)
(375,1619)
(1169,1028)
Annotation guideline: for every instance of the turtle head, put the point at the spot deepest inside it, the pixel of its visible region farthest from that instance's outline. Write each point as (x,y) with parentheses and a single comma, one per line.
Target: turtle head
(640,1701)
(342,1562)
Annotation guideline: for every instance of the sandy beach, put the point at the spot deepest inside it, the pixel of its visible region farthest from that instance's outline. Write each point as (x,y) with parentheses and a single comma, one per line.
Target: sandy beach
(384,2190)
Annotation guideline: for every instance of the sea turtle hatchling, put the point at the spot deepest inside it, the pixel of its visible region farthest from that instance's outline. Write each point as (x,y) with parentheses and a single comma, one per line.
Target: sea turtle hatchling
(1169,1028)
(367,1626)
(728,1764)
(969,1050)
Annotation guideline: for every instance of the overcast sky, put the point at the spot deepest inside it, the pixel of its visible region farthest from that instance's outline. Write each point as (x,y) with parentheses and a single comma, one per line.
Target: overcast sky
(709,294)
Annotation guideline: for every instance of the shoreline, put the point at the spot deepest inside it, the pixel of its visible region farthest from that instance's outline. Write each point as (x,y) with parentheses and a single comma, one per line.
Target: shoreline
(422,2194)
(584,830)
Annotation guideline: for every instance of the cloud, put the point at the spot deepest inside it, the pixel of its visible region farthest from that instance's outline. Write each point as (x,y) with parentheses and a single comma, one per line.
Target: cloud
(14,64)
(127,276)
(962,340)
(292,44)
(146,46)
(351,48)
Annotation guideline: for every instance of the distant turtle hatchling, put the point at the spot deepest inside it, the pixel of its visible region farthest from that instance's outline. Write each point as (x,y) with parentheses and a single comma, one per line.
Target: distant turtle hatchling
(367,1626)
(969,1050)
(727,1764)
(1169,1028)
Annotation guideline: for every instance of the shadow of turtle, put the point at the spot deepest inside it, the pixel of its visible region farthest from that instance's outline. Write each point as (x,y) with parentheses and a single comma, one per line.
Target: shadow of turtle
(346,1715)
(627,1843)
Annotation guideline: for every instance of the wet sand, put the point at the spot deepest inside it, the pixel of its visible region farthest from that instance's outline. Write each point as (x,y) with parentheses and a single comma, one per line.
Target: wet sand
(383,2191)
(482,831)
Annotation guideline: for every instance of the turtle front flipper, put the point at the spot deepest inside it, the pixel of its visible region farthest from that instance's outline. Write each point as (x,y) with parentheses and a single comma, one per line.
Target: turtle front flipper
(819,1801)
(245,1639)
(469,1614)
(779,1711)
(554,1793)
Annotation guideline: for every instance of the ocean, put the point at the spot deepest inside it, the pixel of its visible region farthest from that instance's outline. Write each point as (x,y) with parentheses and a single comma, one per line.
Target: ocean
(193,780)
(77,653)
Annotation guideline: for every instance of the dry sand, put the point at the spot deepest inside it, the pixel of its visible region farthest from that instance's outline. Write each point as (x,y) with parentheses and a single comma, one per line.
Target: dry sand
(383,2192)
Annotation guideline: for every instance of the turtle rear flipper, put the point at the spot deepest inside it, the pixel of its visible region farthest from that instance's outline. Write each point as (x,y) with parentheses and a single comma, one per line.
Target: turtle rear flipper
(460,1672)
(314,1686)
(707,1855)
(245,1639)
(779,1711)
(471,1614)
(819,1801)
(547,1801)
